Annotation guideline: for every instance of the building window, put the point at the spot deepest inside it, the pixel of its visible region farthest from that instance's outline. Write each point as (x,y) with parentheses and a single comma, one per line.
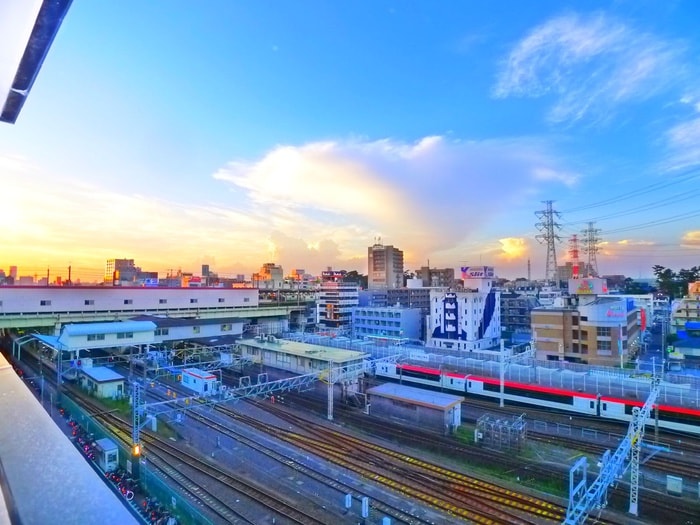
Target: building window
(246,299)
(195,329)
(222,300)
(45,302)
(161,331)
(225,327)
(162,301)
(604,345)
(125,335)
(584,348)
(128,301)
(96,337)
(89,302)
(603,331)
(193,301)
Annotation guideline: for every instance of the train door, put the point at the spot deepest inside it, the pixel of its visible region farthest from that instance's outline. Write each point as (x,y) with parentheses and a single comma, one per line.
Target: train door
(597,405)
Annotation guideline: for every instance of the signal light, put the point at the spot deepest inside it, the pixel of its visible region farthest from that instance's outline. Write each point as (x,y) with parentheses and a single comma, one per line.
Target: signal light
(136,450)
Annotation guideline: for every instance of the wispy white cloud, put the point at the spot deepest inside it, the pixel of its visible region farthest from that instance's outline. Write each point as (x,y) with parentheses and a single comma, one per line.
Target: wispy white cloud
(588,65)
(684,144)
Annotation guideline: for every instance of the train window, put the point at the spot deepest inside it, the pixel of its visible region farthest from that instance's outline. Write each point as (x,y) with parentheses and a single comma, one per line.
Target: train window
(605,406)
(592,404)
(469,383)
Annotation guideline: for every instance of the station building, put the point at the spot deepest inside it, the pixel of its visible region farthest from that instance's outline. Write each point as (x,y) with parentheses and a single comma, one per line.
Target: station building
(416,406)
(299,358)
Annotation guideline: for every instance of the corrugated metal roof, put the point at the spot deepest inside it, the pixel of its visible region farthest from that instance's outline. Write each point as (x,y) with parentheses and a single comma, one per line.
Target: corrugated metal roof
(169,322)
(71,330)
(417,396)
(102,374)
(318,352)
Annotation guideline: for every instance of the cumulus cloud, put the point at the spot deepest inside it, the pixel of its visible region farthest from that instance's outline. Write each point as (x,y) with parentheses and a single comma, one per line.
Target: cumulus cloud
(425,196)
(691,239)
(513,248)
(308,206)
(589,64)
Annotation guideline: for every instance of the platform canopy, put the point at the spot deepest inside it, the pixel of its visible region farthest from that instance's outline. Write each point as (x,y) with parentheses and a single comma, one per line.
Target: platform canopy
(27,30)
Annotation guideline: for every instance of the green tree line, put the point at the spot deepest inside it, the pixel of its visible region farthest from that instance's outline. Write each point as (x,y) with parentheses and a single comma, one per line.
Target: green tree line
(675,284)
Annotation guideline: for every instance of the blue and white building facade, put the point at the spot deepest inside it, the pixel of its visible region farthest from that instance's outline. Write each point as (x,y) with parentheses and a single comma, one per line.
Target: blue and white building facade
(389,323)
(467,320)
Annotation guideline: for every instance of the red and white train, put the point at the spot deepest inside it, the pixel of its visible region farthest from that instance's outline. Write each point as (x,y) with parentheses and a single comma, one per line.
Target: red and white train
(670,417)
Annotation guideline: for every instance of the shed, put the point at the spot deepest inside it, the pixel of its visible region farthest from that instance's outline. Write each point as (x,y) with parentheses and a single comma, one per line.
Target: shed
(107,454)
(416,406)
(202,382)
(101,381)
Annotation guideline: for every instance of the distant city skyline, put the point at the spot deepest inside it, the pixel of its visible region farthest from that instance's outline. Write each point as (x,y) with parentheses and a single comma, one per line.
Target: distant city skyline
(235,134)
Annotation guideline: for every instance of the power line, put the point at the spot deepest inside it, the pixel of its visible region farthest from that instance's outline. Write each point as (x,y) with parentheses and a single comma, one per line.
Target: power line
(635,193)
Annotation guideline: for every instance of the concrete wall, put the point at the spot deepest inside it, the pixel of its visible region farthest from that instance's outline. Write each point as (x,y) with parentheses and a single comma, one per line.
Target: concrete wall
(33,299)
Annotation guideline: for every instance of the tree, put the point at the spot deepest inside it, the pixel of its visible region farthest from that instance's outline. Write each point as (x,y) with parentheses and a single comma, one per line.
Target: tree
(675,284)
(357,278)
(408,274)
(634,288)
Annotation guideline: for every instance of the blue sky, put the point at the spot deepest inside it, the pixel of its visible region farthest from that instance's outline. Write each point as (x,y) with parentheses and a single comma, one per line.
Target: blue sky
(238,133)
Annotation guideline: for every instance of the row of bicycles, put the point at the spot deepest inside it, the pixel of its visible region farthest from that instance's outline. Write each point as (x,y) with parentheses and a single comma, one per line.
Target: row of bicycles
(153,512)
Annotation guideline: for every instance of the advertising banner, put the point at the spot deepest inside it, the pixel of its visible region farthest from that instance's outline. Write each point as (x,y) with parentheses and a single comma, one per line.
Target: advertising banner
(478,272)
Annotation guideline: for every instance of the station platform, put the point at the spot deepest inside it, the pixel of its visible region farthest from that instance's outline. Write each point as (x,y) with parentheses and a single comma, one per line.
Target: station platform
(43,477)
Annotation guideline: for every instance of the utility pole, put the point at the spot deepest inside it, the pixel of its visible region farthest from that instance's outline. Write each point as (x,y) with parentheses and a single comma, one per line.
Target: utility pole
(549,236)
(590,247)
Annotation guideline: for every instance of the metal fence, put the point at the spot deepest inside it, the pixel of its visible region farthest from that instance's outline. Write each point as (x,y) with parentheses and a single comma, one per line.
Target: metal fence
(675,389)
(150,480)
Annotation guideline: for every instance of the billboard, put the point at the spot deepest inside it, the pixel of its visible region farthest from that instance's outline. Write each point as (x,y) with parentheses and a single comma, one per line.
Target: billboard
(694,288)
(333,275)
(478,272)
(588,286)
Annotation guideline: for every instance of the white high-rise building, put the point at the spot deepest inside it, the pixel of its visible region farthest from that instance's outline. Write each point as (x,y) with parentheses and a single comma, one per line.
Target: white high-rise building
(468,320)
(335,303)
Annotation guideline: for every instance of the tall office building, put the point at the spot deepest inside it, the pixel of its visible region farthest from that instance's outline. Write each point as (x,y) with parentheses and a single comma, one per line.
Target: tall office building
(384,267)
(117,270)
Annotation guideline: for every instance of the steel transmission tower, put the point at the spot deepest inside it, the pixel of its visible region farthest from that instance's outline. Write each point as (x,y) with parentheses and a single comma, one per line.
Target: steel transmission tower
(573,253)
(590,247)
(549,236)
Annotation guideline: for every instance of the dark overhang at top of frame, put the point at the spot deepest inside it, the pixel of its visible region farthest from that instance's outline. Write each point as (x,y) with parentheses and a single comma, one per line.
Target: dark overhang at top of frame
(48,21)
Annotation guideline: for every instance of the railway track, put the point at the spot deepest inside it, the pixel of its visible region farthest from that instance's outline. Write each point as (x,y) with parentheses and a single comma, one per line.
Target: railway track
(684,460)
(398,514)
(175,463)
(178,467)
(656,505)
(488,505)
